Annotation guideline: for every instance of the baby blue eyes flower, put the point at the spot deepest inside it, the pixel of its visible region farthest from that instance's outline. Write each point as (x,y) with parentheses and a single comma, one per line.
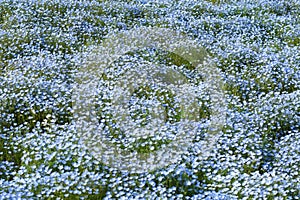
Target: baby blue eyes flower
(254,44)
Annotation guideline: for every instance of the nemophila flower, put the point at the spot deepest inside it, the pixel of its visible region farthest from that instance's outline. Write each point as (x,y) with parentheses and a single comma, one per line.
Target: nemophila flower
(255,44)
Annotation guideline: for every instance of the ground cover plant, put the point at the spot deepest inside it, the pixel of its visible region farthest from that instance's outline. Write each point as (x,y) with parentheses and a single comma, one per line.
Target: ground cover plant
(255,45)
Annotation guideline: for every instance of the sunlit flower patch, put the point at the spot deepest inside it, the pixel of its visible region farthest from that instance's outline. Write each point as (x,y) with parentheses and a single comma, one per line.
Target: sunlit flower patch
(254,45)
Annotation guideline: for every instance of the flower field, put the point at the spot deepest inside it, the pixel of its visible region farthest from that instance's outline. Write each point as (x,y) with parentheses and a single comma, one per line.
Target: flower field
(45,47)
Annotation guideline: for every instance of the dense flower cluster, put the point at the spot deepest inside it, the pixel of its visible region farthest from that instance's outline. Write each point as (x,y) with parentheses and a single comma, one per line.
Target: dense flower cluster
(255,44)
